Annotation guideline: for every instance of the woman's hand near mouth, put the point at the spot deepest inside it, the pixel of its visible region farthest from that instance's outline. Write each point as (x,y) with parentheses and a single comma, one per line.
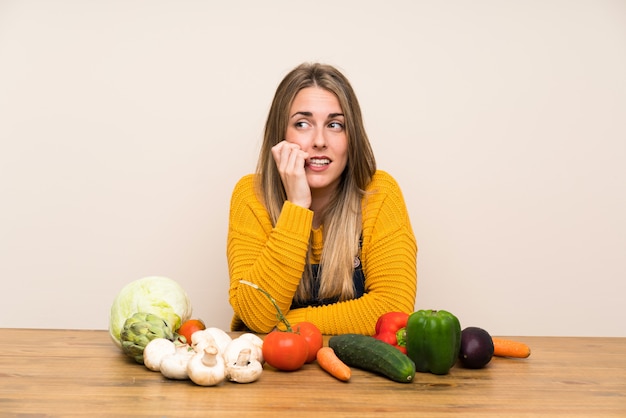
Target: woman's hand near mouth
(290,161)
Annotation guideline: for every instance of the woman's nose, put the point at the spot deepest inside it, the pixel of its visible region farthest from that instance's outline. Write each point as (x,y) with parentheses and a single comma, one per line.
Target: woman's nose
(319,140)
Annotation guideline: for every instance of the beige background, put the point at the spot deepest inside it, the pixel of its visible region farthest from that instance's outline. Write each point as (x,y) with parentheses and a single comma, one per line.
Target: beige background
(124,126)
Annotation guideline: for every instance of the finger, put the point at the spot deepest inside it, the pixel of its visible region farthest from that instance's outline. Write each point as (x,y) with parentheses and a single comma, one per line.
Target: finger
(278,149)
(277,153)
(287,155)
(295,161)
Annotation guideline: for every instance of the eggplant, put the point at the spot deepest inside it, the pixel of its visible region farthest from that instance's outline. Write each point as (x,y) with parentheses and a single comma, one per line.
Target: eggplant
(476,348)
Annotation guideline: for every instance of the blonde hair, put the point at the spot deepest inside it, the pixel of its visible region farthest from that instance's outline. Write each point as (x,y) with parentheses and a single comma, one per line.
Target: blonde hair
(342,218)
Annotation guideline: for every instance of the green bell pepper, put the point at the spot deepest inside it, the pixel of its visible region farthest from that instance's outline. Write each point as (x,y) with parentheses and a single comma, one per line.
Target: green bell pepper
(433,340)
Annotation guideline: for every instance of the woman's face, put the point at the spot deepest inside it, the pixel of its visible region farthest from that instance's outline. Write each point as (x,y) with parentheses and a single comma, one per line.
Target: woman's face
(317,125)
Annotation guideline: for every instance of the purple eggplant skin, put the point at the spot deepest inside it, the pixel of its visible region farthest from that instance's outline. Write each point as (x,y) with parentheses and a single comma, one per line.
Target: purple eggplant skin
(476,348)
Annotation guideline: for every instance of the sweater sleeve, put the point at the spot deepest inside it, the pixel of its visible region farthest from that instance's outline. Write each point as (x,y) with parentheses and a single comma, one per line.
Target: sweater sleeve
(389,257)
(271,257)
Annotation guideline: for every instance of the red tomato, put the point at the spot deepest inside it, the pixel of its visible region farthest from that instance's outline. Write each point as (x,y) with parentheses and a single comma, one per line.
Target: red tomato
(313,337)
(286,351)
(189,327)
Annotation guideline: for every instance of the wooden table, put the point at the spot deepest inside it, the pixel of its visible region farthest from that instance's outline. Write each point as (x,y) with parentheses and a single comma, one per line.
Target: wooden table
(80,373)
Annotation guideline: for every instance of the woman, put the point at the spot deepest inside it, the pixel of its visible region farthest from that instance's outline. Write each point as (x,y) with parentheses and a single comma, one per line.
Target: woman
(317,226)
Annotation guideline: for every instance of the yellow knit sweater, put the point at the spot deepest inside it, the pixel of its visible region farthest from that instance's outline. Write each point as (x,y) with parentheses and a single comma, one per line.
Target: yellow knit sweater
(274,258)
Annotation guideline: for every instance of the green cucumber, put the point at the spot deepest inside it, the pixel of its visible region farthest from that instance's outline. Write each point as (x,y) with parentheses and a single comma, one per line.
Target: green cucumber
(368,353)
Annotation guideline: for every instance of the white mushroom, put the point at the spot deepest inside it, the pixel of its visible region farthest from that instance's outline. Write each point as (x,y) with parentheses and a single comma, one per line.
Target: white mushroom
(155,351)
(207,368)
(221,337)
(174,366)
(245,369)
(258,344)
(244,341)
(202,339)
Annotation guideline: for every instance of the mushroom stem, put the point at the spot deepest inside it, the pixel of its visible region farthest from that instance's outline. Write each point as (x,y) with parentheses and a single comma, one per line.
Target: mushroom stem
(209,358)
(244,358)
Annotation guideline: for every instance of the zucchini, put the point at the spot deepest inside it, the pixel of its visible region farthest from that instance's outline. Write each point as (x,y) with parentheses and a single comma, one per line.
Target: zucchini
(368,353)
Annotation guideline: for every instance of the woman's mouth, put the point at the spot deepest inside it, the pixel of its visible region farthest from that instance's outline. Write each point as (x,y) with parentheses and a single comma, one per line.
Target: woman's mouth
(318,161)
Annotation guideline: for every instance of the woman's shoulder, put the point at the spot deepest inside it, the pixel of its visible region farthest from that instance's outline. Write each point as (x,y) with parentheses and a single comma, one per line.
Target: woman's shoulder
(383,192)
(244,189)
(245,182)
(383,203)
(245,185)
(383,182)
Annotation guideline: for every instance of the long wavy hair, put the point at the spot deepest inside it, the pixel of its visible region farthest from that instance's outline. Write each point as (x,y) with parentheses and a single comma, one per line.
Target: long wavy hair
(341,219)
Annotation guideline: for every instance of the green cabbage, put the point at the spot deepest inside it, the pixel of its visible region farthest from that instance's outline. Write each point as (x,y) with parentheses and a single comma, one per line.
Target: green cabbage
(156,295)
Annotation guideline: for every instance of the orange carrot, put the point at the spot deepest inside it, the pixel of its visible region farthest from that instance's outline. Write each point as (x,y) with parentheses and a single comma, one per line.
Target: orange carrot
(328,360)
(509,348)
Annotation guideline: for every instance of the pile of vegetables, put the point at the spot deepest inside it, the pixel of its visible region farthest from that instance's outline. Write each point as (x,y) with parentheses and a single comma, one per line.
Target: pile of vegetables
(211,357)
(151,323)
(427,341)
(435,341)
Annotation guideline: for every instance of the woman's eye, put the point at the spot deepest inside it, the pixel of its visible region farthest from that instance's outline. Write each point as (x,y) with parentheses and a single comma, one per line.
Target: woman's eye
(301,124)
(336,125)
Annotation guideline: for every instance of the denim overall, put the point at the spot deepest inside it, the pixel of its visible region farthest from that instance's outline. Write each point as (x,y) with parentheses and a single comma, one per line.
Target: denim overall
(359,285)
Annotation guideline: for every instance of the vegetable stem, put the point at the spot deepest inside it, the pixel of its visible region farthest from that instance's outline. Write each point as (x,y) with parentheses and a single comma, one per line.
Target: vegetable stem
(279,313)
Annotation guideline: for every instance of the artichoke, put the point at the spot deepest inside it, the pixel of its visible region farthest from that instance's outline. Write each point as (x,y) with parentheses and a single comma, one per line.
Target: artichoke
(139,330)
